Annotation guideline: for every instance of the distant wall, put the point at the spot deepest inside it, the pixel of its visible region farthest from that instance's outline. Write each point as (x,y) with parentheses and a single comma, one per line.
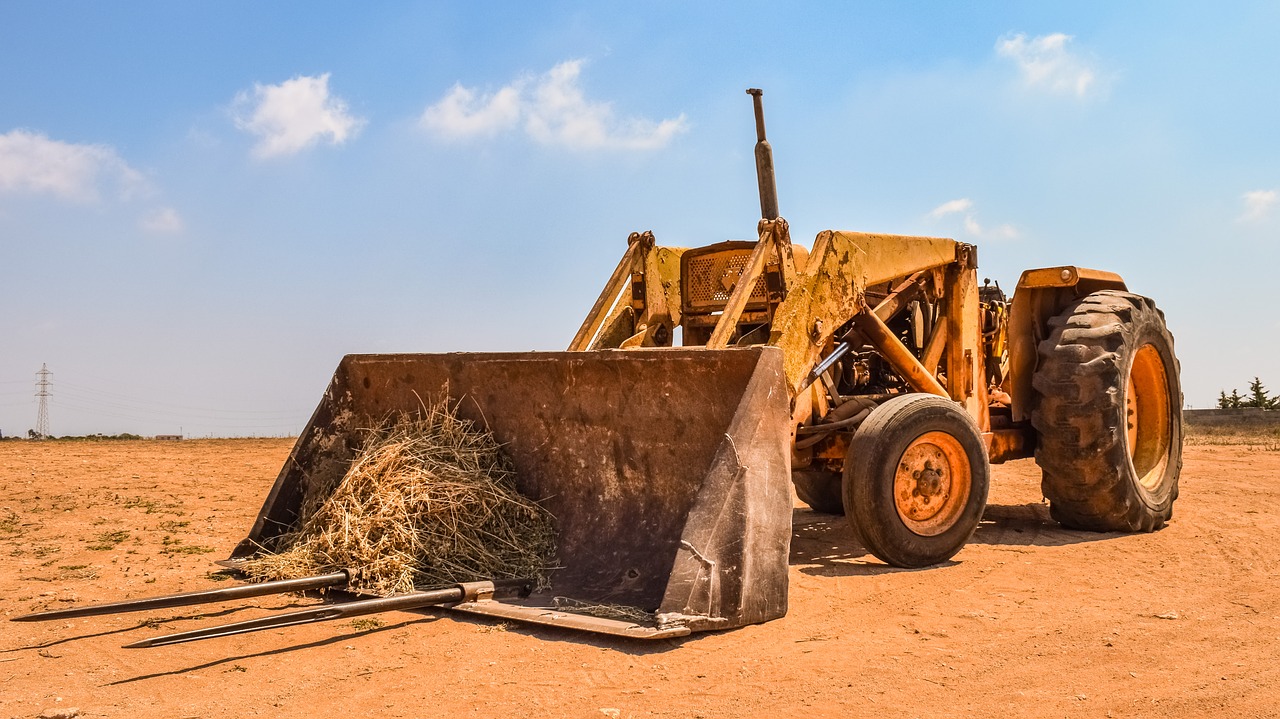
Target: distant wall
(1232,418)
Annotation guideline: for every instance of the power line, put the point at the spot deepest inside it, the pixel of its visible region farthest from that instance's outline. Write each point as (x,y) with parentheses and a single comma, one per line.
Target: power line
(42,391)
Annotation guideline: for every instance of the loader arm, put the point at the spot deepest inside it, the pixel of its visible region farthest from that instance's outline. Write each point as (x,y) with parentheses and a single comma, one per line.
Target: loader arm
(805,303)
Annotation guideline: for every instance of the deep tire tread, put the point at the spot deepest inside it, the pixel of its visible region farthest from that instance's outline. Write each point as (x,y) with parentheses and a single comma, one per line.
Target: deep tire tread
(1080,414)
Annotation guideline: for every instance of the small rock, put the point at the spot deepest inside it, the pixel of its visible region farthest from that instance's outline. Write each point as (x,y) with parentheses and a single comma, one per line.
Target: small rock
(1167,615)
(611,712)
(60,713)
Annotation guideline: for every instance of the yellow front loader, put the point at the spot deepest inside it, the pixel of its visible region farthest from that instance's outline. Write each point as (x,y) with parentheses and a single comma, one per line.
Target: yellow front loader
(872,371)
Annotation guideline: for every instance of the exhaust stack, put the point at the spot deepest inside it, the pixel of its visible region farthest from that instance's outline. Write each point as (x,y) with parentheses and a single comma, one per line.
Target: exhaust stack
(764,162)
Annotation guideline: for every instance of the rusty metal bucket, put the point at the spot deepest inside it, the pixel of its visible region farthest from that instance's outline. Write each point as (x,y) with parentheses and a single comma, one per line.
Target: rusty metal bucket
(667,471)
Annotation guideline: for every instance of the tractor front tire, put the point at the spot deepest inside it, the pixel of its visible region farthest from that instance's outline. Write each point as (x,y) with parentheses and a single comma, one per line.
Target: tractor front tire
(915,480)
(1108,415)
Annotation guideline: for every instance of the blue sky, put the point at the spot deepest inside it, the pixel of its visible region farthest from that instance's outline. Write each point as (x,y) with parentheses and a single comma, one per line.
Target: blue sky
(203,206)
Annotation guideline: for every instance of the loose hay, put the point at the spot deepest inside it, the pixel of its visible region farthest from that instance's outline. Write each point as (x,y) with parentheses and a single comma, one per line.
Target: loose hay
(429,500)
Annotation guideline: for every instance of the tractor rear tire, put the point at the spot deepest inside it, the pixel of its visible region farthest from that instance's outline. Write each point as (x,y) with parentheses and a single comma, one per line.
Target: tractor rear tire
(1108,414)
(820,490)
(915,480)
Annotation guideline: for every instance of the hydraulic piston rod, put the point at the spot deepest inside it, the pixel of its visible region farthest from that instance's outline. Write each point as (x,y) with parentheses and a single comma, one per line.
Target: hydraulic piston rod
(764,162)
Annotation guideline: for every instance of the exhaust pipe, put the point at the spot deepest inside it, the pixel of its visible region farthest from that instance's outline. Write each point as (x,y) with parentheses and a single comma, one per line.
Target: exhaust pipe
(764,162)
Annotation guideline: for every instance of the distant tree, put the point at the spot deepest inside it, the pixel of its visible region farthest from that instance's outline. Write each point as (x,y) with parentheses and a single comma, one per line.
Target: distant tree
(1224,402)
(1235,400)
(1258,396)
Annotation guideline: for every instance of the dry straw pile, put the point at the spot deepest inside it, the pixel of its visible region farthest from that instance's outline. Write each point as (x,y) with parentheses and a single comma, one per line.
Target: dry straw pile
(429,500)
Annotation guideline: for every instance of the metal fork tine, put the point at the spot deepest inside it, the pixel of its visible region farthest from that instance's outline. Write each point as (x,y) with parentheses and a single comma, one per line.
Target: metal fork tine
(205,596)
(412,600)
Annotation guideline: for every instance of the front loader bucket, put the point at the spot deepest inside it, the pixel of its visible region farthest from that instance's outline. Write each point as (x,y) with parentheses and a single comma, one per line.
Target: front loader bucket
(667,472)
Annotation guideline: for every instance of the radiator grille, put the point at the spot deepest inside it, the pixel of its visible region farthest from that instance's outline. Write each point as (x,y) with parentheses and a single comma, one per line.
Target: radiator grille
(709,280)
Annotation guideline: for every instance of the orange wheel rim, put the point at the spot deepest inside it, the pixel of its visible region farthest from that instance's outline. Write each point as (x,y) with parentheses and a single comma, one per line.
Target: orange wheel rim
(1147,411)
(932,483)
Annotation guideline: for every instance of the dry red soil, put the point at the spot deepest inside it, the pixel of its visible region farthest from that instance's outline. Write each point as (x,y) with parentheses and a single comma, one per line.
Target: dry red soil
(1029,620)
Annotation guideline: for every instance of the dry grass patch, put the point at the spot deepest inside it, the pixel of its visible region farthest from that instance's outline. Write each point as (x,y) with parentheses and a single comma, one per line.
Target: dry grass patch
(429,500)
(1253,438)
(106,541)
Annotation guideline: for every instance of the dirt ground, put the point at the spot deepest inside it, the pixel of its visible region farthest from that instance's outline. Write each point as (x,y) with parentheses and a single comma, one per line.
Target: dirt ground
(1029,620)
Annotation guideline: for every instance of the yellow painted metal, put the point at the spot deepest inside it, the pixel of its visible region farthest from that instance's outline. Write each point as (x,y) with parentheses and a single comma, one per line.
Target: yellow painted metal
(966,379)
(657,270)
(1066,276)
(774,243)
(620,325)
(936,345)
(825,296)
(824,289)
(619,319)
(830,290)
(605,302)
(1041,294)
(664,264)
(883,258)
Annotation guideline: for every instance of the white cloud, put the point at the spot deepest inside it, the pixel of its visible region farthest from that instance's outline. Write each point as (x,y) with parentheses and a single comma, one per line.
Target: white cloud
(969,218)
(1046,63)
(554,110)
(162,221)
(951,207)
(1258,204)
(294,115)
(460,115)
(32,162)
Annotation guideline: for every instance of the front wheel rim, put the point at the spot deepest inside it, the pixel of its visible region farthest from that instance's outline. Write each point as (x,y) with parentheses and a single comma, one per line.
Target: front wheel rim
(932,483)
(1147,416)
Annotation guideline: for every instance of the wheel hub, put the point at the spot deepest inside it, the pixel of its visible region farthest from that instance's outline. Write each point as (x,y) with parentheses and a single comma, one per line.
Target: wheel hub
(929,482)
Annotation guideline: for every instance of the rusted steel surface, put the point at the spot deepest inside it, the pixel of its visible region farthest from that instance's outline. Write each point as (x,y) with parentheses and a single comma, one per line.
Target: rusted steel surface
(186,599)
(667,471)
(539,611)
(931,484)
(467,591)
